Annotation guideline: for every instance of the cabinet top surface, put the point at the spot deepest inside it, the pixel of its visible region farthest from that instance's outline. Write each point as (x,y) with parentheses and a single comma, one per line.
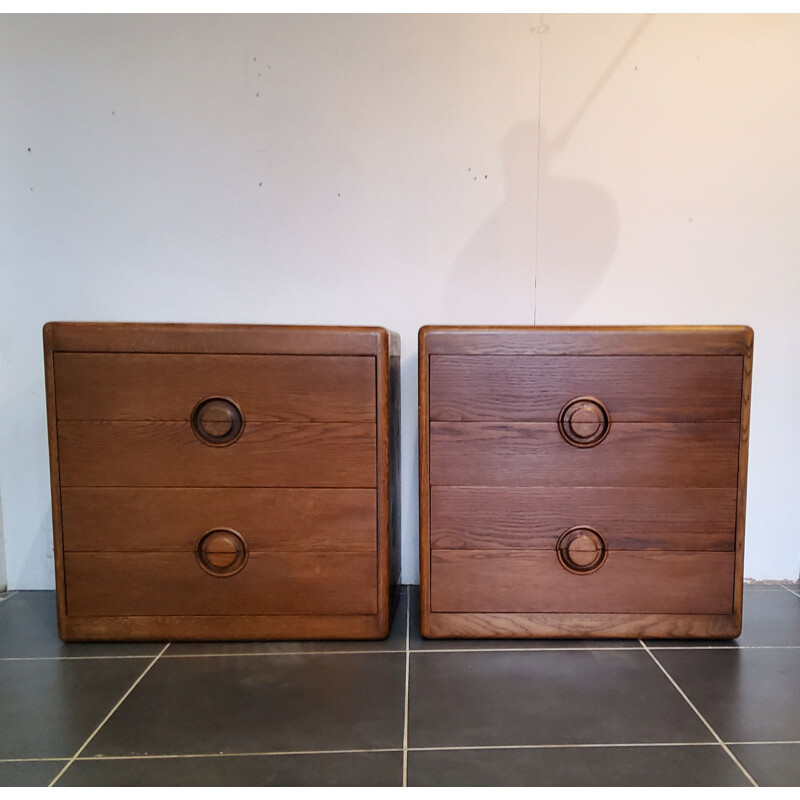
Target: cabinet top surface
(587,340)
(173,337)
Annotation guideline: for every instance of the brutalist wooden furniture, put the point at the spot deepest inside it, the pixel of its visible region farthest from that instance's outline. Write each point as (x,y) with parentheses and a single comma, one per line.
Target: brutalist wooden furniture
(223,481)
(583,482)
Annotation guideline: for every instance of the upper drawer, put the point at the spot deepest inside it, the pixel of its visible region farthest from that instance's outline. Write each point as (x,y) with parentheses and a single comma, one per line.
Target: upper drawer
(167,387)
(702,455)
(633,388)
(304,454)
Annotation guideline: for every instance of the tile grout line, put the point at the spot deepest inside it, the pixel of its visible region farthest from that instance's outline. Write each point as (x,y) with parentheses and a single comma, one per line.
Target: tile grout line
(574,746)
(405,713)
(519,649)
(418,650)
(108,716)
(561,746)
(700,716)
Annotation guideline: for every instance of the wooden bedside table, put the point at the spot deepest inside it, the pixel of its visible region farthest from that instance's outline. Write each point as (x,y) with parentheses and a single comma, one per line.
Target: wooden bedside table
(223,481)
(583,482)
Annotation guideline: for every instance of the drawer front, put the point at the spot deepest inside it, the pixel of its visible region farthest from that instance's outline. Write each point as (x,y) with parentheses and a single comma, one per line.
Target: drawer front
(170,454)
(164,520)
(633,388)
(632,454)
(484,518)
(628,582)
(146,386)
(156,584)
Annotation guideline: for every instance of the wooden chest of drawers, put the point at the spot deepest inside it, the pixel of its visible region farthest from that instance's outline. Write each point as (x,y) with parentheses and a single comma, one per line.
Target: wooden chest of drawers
(223,481)
(583,482)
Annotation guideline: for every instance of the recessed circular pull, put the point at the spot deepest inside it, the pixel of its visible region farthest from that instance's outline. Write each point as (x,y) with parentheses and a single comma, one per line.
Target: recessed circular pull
(217,421)
(581,549)
(221,552)
(584,422)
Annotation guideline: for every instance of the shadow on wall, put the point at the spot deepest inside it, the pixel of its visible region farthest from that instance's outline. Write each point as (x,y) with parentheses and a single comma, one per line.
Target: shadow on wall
(567,227)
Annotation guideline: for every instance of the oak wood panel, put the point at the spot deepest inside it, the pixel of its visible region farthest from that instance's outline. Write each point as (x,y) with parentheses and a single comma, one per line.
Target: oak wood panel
(169,454)
(55,474)
(669,340)
(388,457)
(633,454)
(633,388)
(146,386)
(744,445)
(644,582)
(141,584)
(167,519)
(585,626)
(168,337)
(488,518)
(255,627)
(423,422)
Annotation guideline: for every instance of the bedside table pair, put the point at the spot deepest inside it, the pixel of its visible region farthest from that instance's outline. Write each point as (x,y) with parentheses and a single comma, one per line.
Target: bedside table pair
(241,481)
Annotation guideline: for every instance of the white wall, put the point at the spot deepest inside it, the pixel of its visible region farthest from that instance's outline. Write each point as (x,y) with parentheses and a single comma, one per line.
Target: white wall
(3,581)
(399,171)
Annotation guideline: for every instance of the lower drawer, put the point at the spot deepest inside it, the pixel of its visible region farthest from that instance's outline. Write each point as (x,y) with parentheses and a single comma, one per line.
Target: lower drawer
(115,519)
(153,584)
(515,518)
(645,582)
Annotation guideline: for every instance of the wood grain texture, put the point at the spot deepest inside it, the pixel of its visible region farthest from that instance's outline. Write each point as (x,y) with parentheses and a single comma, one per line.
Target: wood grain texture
(138,337)
(633,388)
(55,478)
(644,582)
(166,519)
(317,413)
(669,340)
(395,561)
(211,627)
(585,625)
(633,454)
(498,451)
(141,584)
(169,454)
(388,462)
(489,518)
(423,421)
(744,446)
(146,386)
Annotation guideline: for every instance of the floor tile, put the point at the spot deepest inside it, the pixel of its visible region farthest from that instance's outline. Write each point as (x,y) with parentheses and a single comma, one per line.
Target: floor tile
(768,619)
(758,587)
(29,629)
(746,695)
(395,641)
(698,765)
(29,773)
(545,697)
(50,707)
(327,769)
(418,642)
(261,704)
(770,764)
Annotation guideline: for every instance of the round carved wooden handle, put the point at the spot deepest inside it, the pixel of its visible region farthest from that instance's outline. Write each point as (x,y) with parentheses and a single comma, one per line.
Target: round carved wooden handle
(222,552)
(581,549)
(584,422)
(217,421)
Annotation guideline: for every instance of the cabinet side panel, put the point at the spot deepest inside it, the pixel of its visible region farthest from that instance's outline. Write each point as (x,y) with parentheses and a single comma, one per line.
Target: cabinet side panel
(55,478)
(424,484)
(741,502)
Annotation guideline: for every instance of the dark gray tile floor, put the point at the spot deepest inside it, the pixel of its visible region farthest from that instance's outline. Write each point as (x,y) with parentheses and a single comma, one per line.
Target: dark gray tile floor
(404,711)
